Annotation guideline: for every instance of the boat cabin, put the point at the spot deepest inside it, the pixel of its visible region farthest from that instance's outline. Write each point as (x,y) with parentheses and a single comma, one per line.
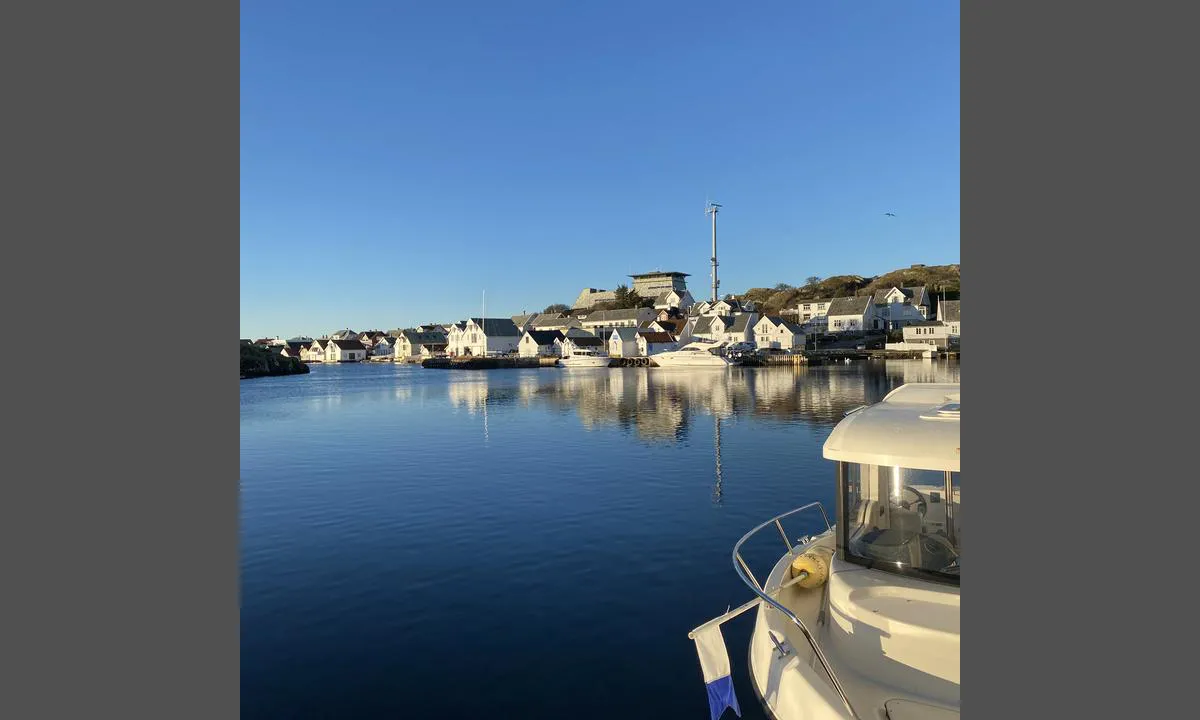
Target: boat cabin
(898,487)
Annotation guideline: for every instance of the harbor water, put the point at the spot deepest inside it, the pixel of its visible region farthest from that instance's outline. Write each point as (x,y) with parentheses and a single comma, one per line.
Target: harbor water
(518,543)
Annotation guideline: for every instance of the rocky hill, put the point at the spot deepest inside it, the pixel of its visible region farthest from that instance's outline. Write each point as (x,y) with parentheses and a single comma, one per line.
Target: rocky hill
(259,361)
(939,279)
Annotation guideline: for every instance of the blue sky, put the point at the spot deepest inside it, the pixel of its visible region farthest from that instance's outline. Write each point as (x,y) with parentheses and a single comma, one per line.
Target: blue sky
(399,158)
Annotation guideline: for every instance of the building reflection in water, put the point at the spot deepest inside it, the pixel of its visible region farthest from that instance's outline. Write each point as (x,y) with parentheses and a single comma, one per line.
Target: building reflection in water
(657,405)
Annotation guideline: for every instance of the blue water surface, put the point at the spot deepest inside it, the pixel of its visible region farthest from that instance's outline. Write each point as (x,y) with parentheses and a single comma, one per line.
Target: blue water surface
(518,543)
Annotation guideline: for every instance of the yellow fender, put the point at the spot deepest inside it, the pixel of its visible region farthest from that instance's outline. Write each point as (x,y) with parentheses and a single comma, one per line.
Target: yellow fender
(816,563)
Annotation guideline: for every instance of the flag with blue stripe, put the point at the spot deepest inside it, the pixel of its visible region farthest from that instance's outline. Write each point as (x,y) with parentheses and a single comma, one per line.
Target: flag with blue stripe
(714,664)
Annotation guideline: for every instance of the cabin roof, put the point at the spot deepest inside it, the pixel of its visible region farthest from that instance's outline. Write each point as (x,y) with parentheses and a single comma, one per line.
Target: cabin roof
(915,426)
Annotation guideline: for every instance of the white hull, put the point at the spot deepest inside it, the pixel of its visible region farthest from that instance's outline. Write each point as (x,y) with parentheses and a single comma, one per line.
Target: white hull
(584,361)
(892,643)
(694,355)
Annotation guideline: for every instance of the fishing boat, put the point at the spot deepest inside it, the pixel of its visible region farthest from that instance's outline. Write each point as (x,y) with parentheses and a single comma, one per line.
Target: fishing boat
(584,358)
(693,355)
(861,619)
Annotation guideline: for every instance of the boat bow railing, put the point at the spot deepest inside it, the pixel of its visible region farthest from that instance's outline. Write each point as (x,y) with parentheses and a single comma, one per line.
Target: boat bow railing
(743,571)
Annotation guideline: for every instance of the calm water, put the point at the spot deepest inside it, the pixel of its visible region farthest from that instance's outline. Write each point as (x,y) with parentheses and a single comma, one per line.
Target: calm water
(517,543)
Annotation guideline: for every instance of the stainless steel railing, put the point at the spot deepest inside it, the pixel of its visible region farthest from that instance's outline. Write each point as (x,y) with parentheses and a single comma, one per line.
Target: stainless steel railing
(743,571)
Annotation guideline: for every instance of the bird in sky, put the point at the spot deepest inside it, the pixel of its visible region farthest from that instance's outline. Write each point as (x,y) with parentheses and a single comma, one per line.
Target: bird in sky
(890,214)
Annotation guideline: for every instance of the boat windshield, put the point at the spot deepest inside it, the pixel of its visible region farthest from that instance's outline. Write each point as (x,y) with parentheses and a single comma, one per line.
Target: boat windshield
(901,520)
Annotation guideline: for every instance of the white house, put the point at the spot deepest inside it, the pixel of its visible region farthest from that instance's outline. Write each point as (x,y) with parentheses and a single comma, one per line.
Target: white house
(316,351)
(539,343)
(674,299)
(490,336)
(413,344)
(622,342)
(650,342)
(571,342)
(772,331)
(724,308)
(385,347)
(351,350)
(948,312)
(705,327)
(292,351)
(606,319)
(455,338)
(897,307)
(813,313)
(928,332)
(700,308)
(851,314)
(733,329)
(554,321)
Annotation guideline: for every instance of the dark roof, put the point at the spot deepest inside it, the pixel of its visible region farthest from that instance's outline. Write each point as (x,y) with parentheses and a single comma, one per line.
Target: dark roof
(926,323)
(911,294)
(416,337)
(916,292)
(609,315)
(586,341)
(949,311)
(662,273)
(544,337)
(352,344)
(850,305)
(297,344)
(740,322)
(496,327)
(320,344)
(656,337)
(520,320)
(794,327)
(676,324)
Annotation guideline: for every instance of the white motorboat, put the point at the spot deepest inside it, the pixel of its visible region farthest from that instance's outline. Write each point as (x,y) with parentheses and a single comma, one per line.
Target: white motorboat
(693,355)
(584,358)
(861,620)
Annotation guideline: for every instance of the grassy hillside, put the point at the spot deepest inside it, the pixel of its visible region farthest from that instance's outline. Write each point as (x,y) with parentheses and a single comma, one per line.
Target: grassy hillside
(785,296)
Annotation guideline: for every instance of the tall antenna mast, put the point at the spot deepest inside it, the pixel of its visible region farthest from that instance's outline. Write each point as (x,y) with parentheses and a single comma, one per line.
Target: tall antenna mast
(712,209)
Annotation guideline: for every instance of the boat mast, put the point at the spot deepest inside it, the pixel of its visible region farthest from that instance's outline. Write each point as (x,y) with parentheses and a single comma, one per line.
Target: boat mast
(712,209)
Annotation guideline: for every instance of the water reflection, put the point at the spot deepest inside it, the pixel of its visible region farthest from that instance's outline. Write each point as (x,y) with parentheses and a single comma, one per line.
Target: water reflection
(658,405)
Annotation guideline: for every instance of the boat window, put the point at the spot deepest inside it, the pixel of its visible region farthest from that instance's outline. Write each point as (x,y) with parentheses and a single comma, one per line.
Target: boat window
(902,520)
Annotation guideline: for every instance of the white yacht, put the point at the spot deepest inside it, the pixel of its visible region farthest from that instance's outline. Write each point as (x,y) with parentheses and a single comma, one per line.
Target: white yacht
(584,358)
(693,355)
(861,620)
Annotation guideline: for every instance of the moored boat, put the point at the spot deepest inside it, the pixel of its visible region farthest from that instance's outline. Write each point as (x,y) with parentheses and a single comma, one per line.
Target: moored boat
(861,620)
(693,355)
